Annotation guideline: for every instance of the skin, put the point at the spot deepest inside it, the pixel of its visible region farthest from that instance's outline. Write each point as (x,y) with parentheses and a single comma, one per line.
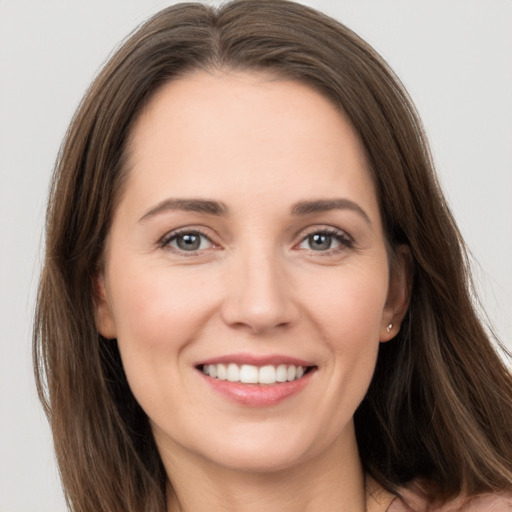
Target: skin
(256,285)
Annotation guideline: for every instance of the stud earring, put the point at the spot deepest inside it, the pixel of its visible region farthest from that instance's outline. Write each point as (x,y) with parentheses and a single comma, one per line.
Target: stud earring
(388,328)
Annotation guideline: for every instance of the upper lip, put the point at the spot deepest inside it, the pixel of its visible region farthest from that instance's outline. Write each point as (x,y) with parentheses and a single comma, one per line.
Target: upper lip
(256,360)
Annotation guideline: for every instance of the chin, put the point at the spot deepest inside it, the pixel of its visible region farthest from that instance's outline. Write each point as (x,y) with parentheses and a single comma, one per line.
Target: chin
(260,459)
(266,449)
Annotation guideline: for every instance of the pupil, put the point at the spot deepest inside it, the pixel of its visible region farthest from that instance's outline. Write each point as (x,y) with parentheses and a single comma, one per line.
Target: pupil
(189,242)
(319,242)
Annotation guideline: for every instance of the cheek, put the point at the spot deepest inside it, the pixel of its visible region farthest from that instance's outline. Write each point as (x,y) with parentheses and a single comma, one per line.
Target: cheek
(154,306)
(157,315)
(347,312)
(348,306)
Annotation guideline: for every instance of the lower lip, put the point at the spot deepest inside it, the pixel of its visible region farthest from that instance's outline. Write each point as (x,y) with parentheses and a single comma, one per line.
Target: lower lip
(258,395)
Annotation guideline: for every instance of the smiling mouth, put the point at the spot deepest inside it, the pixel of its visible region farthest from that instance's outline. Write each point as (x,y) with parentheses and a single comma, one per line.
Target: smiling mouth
(251,374)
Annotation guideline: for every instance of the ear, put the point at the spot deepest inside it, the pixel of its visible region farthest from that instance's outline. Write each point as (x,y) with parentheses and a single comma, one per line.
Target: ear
(399,293)
(104,318)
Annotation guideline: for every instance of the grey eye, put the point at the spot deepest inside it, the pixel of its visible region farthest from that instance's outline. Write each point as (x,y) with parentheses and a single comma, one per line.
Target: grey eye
(189,242)
(320,241)
(324,241)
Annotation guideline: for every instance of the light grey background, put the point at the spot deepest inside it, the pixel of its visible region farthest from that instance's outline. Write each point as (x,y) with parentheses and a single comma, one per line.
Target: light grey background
(454,56)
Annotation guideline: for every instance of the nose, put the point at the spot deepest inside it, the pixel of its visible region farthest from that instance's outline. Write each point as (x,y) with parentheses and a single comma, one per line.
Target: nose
(259,295)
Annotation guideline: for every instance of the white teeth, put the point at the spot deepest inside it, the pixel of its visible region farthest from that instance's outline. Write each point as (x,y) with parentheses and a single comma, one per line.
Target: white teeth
(281,373)
(250,374)
(221,371)
(267,375)
(233,373)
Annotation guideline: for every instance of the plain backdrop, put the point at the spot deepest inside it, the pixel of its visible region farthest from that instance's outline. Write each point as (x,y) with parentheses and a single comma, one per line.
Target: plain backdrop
(454,56)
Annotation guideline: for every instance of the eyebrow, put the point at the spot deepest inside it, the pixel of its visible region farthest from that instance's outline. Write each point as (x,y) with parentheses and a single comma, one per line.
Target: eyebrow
(188,205)
(220,209)
(324,205)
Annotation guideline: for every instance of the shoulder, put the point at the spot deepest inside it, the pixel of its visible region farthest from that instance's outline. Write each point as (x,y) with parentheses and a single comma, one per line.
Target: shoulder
(409,501)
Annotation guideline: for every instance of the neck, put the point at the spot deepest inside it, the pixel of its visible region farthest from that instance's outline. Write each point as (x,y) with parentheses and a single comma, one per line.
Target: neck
(331,480)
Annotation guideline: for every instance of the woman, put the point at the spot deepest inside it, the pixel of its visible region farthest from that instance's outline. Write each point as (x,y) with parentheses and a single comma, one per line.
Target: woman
(254,296)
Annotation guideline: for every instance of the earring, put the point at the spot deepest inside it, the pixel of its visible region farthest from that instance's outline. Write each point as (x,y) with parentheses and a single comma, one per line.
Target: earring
(388,328)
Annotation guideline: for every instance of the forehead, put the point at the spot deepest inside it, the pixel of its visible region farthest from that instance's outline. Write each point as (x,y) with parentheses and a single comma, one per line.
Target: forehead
(204,100)
(212,133)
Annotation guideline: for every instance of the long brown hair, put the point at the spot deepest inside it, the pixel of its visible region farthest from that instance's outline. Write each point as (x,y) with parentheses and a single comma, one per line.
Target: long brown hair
(439,407)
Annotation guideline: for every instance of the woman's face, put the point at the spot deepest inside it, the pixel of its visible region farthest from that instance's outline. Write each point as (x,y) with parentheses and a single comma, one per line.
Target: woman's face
(247,249)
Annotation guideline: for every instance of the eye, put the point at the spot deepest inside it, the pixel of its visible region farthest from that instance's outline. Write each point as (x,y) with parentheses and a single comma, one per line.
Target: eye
(325,240)
(187,241)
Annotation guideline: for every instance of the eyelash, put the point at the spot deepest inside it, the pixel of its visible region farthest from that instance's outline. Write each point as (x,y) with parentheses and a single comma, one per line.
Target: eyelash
(174,235)
(345,241)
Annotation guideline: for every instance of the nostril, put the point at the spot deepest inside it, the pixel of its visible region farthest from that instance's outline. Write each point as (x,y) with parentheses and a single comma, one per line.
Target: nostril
(259,302)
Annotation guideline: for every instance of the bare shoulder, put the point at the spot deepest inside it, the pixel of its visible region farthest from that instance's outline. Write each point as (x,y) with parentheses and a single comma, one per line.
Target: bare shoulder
(489,503)
(410,501)
(377,498)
